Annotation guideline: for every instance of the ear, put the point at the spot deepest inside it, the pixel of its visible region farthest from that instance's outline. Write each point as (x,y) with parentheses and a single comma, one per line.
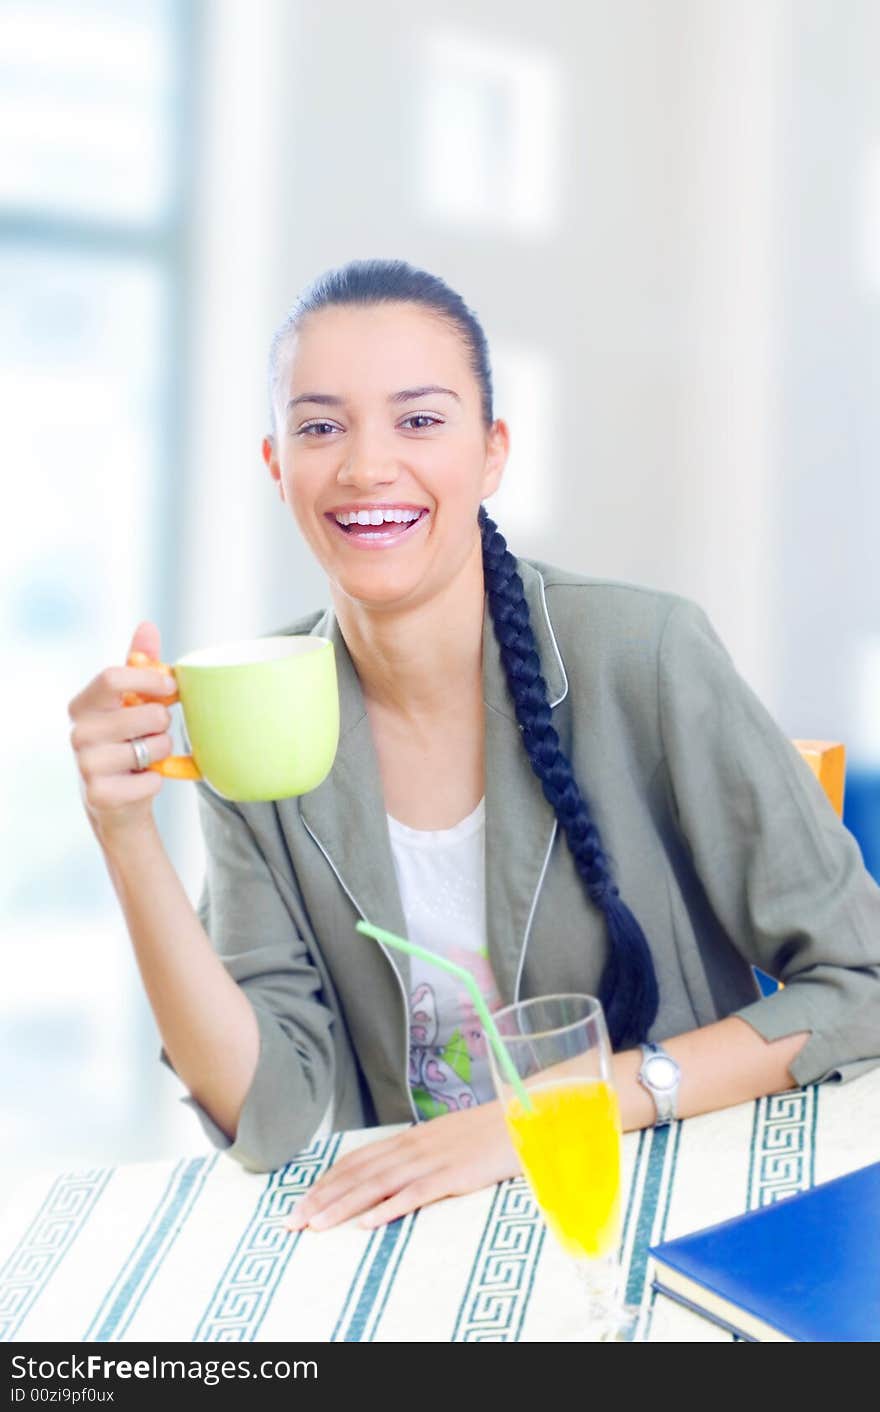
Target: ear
(497,451)
(270,456)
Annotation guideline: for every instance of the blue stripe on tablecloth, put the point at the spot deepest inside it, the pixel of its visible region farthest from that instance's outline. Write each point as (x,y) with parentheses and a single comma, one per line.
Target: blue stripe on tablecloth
(127,1292)
(359,1275)
(633,1205)
(631,1197)
(661,1160)
(401,1251)
(263,1252)
(658,1232)
(48,1238)
(377,1268)
(654,1153)
(143,1236)
(497,1292)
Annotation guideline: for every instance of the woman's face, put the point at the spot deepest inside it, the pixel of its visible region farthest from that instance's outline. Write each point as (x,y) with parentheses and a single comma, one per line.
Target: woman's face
(377,409)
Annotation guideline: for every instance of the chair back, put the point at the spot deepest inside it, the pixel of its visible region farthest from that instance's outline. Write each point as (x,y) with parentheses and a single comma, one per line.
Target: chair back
(827,760)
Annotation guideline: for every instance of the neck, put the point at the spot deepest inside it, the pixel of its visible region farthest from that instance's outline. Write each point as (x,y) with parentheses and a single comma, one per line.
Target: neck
(408,658)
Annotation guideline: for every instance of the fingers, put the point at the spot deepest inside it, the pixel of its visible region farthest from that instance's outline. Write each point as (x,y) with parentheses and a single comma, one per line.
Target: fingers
(126,723)
(146,639)
(108,767)
(448,1156)
(362,1197)
(113,761)
(111,776)
(409,1198)
(356,1182)
(105,691)
(142,660)
(117,706)
(105,758)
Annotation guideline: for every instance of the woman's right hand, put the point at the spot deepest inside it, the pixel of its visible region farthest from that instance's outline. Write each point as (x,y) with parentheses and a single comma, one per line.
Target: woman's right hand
(118,798)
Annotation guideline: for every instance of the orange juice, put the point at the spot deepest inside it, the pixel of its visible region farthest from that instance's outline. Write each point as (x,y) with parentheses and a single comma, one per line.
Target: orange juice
(569,1146)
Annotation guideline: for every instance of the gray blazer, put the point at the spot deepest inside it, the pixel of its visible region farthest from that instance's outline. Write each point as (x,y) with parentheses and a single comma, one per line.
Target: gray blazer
(722,842)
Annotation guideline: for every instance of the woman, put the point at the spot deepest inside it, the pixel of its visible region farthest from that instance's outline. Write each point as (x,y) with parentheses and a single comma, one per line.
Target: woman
(597,735)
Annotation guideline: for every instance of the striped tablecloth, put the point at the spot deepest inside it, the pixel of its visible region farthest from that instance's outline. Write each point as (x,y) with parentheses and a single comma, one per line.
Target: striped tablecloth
(195,1249)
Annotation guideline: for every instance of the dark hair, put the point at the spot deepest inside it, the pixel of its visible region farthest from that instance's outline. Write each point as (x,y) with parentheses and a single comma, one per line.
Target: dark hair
(388,282)
(628,989)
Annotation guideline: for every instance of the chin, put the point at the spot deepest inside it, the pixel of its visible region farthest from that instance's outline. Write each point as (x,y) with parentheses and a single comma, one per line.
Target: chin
(376,592)
(382,587)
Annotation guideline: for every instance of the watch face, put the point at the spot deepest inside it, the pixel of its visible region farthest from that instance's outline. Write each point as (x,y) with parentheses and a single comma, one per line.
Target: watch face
(661,1071)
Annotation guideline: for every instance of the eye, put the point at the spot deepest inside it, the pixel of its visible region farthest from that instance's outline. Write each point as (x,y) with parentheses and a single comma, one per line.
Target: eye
(313,426)
(423,417)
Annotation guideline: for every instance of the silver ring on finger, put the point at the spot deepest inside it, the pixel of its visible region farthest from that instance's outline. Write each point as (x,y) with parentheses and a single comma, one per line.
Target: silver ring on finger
(141,754)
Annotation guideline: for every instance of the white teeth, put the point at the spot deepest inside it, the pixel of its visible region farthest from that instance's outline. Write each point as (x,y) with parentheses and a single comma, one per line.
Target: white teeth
(377,517)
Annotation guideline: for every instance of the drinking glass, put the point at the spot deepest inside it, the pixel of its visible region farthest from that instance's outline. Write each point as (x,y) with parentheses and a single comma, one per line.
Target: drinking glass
(569,1138)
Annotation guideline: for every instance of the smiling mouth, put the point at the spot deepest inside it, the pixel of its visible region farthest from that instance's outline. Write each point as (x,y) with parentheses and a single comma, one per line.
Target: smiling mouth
(388,532)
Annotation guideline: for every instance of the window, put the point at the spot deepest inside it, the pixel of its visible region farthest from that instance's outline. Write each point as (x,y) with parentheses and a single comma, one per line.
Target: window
(93,122)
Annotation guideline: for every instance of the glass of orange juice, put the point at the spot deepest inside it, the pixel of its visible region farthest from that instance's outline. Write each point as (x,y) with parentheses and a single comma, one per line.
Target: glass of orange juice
(568,1137)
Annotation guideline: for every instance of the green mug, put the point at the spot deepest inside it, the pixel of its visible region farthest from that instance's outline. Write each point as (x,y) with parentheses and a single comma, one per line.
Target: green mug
(262,715)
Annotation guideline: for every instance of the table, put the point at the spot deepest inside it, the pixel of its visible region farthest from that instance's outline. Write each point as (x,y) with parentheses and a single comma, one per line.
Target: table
(195,1249)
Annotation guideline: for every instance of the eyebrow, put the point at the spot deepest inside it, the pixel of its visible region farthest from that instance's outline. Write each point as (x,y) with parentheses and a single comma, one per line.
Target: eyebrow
(408,394)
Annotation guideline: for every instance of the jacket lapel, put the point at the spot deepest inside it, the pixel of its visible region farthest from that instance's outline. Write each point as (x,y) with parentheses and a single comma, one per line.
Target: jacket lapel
(346,813)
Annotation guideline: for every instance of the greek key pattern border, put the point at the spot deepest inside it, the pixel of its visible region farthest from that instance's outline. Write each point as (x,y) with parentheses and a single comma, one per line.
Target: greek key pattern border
(783,1146)
(495,1300)
(248,1284)
(63,1215)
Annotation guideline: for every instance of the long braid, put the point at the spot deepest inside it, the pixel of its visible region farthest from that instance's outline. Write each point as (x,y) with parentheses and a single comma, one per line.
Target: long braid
(628,989)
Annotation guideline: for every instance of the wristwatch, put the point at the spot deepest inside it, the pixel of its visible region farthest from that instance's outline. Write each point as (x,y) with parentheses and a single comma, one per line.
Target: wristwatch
(660,1075)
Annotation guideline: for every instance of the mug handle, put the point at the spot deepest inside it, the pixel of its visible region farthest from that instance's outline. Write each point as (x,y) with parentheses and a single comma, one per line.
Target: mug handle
(174,767)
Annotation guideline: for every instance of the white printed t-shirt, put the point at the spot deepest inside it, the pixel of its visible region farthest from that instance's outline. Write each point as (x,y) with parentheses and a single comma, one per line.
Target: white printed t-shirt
(442,883)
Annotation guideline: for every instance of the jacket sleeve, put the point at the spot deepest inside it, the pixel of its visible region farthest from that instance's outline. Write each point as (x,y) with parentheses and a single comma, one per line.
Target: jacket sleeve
(785,877)
(256,938)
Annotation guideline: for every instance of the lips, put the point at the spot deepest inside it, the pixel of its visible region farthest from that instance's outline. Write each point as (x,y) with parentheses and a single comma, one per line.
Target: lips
(378,536)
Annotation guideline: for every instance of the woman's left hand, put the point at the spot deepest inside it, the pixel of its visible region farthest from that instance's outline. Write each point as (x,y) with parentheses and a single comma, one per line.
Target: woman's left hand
(446,1156)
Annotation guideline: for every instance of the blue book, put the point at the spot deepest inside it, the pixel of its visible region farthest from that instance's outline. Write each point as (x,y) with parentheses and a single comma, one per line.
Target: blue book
(804,1270)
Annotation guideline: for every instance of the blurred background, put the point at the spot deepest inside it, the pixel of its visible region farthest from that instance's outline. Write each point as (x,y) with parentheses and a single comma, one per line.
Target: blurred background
(667,216)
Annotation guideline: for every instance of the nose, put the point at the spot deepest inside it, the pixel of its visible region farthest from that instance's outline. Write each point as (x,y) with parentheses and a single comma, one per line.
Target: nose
(368,464)
(366,475)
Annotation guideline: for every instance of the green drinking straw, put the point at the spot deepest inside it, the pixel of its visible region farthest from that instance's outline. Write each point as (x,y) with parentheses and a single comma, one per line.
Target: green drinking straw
(505,1062)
